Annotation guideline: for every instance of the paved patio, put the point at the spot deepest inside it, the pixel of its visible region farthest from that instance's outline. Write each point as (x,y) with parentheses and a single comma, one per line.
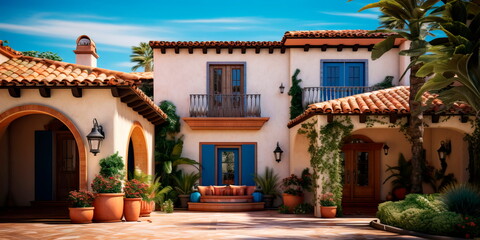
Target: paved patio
(199,225)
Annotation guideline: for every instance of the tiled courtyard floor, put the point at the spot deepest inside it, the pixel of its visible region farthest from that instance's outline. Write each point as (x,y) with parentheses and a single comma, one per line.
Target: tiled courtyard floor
(201,225)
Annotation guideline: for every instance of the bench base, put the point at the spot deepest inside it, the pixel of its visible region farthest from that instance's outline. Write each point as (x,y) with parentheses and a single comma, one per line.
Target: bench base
(226,207)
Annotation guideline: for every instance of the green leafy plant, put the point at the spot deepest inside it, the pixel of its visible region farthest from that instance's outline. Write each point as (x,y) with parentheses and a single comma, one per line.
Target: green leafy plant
(296,185)
(167,206)
(81,198)
(185,182)
(46,55)
(112,166)
(400,174)
(135,189)
(284,209)
(303,208)
(296,107)
(463,199)
(327,200)
(154,192)
(101,184)
(386,83)
(268,183)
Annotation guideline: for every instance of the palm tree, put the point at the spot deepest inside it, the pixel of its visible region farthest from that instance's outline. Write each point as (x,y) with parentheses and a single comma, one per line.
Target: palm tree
(412,20)
(142,56)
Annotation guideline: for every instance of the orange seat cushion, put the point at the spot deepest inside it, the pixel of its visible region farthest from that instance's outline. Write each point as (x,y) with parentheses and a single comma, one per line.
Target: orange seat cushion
(239,190)
(218,190)
(250,190)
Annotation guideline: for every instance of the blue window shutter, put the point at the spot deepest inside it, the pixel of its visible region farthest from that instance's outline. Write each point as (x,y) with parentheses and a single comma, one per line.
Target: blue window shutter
(333,74)
(355,74)
(43,165)
(248,164)
(208,165)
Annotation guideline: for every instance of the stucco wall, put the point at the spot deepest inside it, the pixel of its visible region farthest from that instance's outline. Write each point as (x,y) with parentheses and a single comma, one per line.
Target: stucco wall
(115,117)
(178,75)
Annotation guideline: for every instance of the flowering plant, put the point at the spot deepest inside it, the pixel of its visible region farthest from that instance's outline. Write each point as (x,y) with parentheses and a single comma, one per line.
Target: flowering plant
(135,189)
(102,184)
(296,185)
(327,200)
(81,198)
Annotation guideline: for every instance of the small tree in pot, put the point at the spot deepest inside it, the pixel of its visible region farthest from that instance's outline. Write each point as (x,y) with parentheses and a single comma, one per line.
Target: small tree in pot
(184,186)
(269,184)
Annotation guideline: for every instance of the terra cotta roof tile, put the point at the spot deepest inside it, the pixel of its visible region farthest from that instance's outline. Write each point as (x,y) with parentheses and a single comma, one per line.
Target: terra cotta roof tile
(385,101)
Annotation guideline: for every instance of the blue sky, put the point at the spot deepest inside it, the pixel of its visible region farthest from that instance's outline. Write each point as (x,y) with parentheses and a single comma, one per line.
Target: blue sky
(115,26)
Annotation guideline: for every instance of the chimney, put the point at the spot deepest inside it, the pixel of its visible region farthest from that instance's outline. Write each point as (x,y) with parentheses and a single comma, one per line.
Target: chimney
(86,52)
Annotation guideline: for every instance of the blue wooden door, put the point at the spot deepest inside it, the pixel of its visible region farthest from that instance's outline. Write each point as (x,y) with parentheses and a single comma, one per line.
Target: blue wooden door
(342,74)
(228,166)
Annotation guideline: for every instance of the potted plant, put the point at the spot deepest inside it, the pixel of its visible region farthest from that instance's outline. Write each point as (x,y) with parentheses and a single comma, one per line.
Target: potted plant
(135,191)
(268,183)
(154,193)
(184,186)
(108,202)
(401,175)
(328,207)
(294,187)
(82,206)
(167,206)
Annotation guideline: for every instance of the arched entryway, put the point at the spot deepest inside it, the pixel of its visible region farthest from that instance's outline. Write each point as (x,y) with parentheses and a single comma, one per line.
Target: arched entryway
(361,177)
(44,154)
(137,151)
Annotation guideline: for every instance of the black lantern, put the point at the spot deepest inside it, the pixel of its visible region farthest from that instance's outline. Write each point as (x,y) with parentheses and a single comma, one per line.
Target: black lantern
(282,88)
(385,149)
(278,153)
(444,150)
(95,137)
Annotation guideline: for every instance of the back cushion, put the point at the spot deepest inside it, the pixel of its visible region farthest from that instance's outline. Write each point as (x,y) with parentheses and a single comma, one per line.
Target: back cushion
(228,191)
(218,191)
(238,190)
(202,190)
(250,190)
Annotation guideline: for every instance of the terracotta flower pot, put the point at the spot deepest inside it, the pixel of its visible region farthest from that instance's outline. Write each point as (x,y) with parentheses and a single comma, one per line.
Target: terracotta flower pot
(131,209)
(291,201)
(328,212)
(108,207)
(146,208)
(268,199)
(81,215)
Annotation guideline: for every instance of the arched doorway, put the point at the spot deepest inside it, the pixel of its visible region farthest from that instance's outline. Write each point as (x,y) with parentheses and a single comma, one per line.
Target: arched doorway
(137,151)
(43,153)
(361,178)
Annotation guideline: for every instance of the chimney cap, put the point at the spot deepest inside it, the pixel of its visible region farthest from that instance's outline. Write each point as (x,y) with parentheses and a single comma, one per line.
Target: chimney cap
(85,45)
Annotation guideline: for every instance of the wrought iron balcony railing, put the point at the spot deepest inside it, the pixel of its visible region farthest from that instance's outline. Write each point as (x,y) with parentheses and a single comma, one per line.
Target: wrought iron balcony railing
(223,105)
(320,94)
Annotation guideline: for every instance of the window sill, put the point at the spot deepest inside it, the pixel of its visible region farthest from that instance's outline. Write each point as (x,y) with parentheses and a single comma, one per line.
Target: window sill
(225,123)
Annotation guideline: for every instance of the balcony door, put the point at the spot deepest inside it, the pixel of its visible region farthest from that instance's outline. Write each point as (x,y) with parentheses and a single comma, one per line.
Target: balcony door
(226,90)
(341,79)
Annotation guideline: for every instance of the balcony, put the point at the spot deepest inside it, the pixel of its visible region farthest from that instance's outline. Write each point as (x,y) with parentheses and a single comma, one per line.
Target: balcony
(321,94)
(225,111)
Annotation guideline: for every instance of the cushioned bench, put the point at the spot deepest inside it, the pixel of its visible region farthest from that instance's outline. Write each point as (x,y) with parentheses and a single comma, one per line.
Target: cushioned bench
(226,199)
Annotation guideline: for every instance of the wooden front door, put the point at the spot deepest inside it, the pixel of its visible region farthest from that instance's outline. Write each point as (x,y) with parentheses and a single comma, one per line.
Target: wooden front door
(226,90)
(66,165)
(361,173)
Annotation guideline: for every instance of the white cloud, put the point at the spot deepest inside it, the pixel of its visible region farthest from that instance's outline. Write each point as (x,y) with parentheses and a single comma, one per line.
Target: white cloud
(124,64)
(325,24)
(357,15)
(119,35)
(218,20)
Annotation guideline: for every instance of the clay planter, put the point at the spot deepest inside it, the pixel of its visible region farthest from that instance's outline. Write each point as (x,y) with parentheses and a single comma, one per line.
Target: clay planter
(146,208)
(184,200)
(108,207)
(131,209)
(291,201)
(81,215)
(268,199)
(328,212)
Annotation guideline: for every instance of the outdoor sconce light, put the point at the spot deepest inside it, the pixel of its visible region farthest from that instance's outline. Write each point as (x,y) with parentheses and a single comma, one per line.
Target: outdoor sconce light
(278,153)
(95,137)
(282,88)
(385,149)
(444,150)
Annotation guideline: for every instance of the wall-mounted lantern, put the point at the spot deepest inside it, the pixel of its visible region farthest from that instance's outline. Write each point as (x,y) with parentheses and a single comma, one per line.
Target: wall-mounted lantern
(444,150)
(282,88)
(95,137)
(278,153)
(385,149)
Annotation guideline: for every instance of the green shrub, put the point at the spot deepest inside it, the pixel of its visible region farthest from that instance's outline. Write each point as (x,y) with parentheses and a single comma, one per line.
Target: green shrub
(112,166)
(389,212)
(304,208)
(284,209)
(444,223)
(463,199)
(167,206)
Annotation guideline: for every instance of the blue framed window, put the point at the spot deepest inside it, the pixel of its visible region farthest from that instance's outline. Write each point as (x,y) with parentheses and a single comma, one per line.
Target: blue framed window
(227,164)
(343,74)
